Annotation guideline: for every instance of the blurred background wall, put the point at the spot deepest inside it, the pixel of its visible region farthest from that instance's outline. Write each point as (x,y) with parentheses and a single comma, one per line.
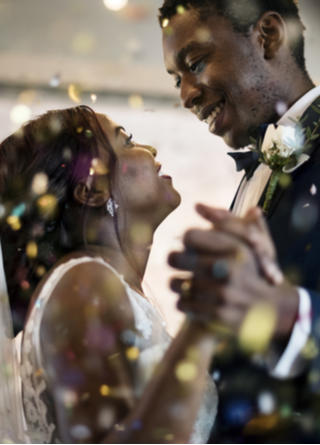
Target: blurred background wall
(107,54)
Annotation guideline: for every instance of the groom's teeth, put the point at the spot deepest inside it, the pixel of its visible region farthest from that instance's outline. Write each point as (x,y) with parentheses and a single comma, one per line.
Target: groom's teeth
(214,114)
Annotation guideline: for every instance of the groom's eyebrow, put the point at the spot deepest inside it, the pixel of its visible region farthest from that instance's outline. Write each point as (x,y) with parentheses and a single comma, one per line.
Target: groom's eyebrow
(183,52)
(118,129)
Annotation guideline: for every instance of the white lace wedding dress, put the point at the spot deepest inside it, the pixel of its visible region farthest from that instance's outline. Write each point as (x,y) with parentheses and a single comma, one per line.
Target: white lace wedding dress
(152,342)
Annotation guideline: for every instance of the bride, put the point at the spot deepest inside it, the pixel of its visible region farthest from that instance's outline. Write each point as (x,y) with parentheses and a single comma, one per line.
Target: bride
(93,362)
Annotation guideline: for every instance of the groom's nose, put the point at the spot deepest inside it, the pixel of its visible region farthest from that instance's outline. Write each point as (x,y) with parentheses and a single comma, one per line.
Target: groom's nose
(190,92)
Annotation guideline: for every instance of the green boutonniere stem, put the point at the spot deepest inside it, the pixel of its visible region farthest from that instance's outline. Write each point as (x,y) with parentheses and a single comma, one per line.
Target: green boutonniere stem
(270,192)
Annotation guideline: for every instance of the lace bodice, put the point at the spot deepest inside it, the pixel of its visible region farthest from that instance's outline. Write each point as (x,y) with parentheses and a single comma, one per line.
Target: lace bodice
(152,341)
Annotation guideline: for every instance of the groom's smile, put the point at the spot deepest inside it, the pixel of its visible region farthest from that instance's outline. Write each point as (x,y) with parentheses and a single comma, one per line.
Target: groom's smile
(224,77)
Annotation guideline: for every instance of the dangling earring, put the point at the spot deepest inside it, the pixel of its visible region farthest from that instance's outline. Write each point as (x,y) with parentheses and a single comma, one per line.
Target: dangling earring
(111,206)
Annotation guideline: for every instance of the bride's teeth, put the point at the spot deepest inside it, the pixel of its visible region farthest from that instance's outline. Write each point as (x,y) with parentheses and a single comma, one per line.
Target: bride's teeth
(160,173)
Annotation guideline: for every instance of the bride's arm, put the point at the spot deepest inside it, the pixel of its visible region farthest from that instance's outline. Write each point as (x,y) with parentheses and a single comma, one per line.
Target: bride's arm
(87,361)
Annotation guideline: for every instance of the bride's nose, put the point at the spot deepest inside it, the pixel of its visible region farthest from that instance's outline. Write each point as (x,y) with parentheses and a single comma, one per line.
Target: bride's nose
(152,150)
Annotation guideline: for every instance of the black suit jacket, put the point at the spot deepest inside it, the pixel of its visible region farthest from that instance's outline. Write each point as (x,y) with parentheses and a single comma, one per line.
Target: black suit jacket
(294,223)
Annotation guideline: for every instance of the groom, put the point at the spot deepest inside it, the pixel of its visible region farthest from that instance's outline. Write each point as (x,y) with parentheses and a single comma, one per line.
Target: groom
(239,64)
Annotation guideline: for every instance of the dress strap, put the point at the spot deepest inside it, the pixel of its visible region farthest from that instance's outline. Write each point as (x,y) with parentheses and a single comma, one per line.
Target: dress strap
(34,321)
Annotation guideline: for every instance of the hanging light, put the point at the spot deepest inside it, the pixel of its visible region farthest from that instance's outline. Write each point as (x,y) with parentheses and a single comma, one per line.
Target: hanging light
(115,5)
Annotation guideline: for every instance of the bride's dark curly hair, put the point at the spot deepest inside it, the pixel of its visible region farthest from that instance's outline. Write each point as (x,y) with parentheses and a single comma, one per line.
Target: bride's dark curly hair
(59,147)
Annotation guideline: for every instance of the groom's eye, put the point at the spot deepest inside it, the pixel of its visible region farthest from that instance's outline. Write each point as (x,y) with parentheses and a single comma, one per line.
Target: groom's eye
(177,83)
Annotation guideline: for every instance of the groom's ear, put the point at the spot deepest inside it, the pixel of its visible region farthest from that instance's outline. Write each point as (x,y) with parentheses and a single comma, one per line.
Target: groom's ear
(272,32)
(93,191)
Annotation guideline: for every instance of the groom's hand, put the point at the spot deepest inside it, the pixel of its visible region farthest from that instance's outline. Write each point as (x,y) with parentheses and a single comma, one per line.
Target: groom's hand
(227,283)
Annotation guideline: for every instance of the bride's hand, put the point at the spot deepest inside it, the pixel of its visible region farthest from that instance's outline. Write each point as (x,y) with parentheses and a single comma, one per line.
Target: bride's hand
(253,230)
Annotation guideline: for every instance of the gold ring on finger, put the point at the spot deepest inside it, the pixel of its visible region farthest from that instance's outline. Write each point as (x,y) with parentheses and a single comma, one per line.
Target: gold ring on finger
(186,289)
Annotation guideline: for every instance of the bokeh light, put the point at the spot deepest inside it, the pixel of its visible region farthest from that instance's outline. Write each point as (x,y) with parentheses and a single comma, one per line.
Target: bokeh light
(135,101)
(115,5)
(40,183)
(20,114)
(258,327)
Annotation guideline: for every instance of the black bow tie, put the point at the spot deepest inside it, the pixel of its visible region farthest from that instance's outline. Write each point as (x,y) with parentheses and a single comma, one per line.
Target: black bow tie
(247,161)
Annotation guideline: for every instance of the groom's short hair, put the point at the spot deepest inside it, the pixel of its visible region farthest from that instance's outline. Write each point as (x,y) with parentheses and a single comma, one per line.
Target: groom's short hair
(243,14)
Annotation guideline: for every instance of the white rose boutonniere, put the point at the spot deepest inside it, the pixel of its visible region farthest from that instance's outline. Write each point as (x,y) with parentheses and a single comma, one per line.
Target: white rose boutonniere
(283,150)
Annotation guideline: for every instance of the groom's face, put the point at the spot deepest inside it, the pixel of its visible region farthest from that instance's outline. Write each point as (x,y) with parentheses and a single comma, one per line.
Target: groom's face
(222,75)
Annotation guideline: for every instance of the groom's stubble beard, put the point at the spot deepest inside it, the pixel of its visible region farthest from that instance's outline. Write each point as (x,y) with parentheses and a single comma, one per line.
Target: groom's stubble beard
(266,92)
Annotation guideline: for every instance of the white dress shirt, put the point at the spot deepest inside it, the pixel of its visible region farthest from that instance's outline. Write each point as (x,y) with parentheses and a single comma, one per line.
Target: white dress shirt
(248,196)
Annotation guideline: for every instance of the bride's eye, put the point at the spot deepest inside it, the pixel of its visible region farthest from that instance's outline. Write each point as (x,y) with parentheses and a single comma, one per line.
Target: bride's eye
(129,139)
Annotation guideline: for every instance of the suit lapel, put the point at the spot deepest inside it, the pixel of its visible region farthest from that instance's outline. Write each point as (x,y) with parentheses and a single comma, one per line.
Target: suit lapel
(311,119)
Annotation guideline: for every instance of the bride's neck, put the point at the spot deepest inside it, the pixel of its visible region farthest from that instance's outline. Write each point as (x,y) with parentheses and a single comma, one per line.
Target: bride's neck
(129,260)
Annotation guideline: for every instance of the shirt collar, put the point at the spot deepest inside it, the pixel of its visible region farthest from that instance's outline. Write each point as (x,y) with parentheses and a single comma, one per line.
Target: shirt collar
(299,107)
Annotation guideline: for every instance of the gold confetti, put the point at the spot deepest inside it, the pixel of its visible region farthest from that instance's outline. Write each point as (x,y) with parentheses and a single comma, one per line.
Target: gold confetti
(47,205)
(32,250)
(99,167)
(165,23)
(180,9)
(74,93)
(257,328)
(40,183)
(285,180)
(83,43)
(104,390)
(14,222)
(203,35)
(136,101)
(132,353)
(186,371)
(141,233)
(27,97)
(40,271)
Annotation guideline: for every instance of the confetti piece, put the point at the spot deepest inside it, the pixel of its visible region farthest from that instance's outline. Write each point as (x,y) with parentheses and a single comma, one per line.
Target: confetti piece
(106,418)
(32,250)
(99,167)
(83,43)
(74,92)
(20,114)
(93,98)
(313,190)
(47,205)
(141,233)
(104,390)
(180,9)
(186,371)
(203,35)
(27,97)
(40,183)
(132,353)
(115,5)
(14,222)
(19,210)
(80,432)
(40,271)
(257,328)
(266,403)
(25,285)
(165,23)
(135,101)
(55,81)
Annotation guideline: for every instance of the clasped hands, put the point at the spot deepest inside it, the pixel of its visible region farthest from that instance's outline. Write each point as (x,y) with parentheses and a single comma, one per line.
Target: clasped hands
(233,268)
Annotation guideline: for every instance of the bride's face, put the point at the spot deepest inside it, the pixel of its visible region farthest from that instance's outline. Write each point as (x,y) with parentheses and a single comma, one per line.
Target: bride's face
(144,189)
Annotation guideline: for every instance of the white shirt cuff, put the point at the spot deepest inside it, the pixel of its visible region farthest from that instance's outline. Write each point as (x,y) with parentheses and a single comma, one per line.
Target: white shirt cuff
(298,340)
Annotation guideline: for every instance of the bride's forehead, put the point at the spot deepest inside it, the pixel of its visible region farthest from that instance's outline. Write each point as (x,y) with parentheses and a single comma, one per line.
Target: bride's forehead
(107,123)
